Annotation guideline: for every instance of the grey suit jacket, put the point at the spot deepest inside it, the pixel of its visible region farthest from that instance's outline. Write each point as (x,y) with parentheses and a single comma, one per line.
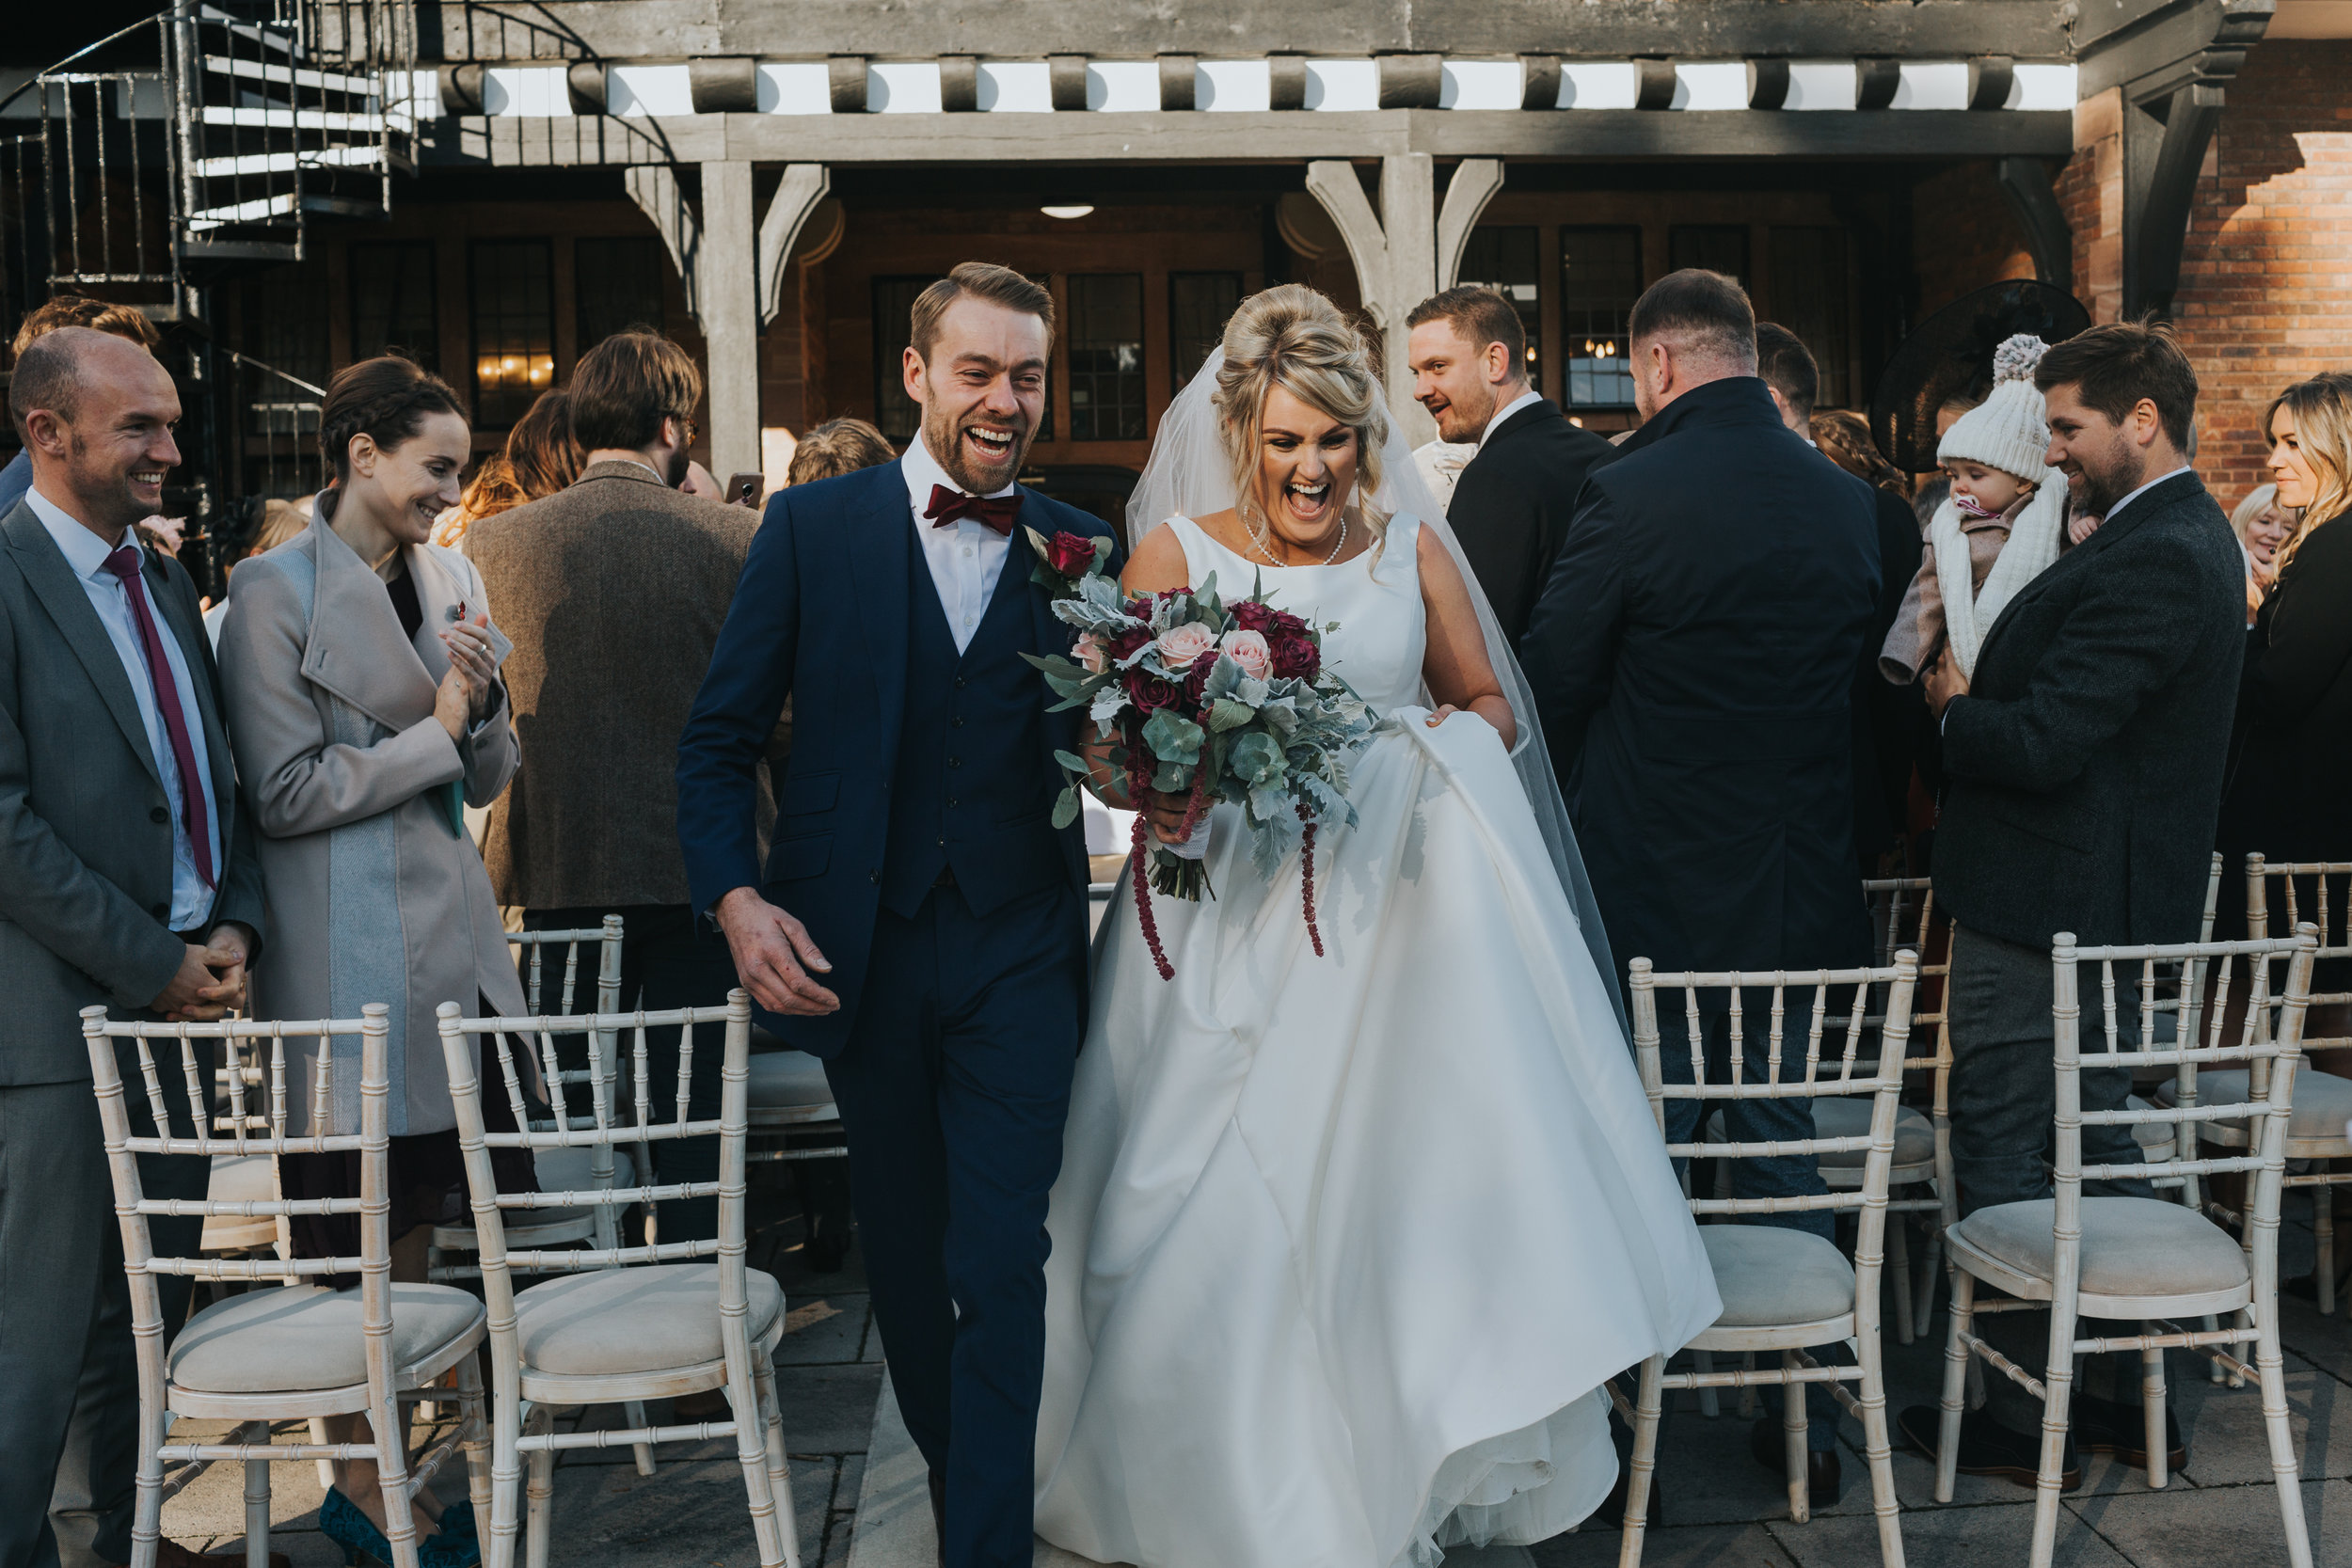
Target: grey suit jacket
(85,831)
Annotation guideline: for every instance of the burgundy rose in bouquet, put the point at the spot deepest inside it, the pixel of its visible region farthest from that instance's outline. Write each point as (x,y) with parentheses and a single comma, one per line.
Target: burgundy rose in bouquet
(1211,699)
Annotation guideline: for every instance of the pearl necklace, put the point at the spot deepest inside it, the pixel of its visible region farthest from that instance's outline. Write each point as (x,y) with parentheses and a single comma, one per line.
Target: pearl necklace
(1258,540)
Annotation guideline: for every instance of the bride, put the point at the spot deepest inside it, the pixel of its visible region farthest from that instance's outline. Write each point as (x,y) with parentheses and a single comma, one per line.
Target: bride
(1343,1247)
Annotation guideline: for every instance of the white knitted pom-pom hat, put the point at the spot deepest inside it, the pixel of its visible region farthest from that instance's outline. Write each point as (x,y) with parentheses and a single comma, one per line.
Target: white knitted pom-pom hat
(2007,430)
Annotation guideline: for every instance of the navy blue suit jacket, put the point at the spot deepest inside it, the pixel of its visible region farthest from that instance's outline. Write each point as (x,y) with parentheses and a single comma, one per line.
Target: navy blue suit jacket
(820,616)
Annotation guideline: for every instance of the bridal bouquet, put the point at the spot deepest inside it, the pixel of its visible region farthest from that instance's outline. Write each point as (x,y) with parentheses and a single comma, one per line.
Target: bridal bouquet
(1208,698)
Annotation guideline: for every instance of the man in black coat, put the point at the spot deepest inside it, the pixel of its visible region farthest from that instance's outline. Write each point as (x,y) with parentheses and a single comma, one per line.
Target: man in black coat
(1693,657)
(2084,770)
(1887,718)
(1512,504)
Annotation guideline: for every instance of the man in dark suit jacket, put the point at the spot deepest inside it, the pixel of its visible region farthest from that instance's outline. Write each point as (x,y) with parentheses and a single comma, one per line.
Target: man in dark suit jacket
(1512,503)
(1885,716)
(935,944)
(2084,771)
(127,878)
(1693,657)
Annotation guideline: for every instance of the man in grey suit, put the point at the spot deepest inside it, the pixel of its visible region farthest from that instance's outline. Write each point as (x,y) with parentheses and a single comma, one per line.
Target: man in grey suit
(2083,765)
(128,879)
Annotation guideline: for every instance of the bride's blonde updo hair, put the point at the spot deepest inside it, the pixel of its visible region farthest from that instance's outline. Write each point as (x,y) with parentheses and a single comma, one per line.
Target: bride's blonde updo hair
(1294,338)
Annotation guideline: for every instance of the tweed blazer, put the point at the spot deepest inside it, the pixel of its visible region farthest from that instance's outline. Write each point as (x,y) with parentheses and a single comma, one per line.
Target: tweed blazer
(85,831)
(2084,767)
(373,885)
(613,591)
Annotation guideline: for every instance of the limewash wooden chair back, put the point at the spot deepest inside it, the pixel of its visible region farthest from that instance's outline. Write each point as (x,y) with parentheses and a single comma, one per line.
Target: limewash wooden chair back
(1798,1063)
(259,1128)
(2133,1259)
(622,1106)
(2313,891)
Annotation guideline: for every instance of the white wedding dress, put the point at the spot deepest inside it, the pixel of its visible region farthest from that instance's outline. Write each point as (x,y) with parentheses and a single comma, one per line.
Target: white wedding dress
(1345,1246)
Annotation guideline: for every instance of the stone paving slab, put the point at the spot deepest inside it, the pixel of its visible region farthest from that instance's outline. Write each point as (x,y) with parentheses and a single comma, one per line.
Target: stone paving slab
(1696,1546)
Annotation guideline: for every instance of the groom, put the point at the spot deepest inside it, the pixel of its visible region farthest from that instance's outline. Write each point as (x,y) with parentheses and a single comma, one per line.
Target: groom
(920,923)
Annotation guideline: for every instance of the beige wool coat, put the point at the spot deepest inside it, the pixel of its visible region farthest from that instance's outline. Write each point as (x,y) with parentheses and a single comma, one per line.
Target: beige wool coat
(374,893)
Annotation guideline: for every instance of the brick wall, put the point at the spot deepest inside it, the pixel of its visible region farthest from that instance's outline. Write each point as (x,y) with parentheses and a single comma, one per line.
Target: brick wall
(2265,294)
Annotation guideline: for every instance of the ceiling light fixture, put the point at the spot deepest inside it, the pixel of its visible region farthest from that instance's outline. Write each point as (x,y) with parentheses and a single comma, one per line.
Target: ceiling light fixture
(1072,211)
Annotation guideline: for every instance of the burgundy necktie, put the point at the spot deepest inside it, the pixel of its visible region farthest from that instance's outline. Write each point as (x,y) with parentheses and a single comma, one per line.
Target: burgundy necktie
(995,511)
(124,563)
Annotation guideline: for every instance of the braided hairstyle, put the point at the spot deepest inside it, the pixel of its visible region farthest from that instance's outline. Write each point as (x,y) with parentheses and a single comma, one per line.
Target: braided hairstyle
(386,398)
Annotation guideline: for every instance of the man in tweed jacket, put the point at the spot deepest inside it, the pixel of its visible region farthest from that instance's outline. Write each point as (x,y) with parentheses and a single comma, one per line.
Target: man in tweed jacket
(613,591)
(2086,767)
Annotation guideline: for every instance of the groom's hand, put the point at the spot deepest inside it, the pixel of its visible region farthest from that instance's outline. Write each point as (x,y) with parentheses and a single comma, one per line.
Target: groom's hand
(770,949)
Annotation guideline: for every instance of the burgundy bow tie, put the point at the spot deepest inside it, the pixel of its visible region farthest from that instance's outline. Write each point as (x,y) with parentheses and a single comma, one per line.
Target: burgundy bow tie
(950,506)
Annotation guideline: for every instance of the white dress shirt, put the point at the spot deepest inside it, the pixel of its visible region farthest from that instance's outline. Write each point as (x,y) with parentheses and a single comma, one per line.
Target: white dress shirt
(1494,421)
(191,900)
(2142,490)
(966,557)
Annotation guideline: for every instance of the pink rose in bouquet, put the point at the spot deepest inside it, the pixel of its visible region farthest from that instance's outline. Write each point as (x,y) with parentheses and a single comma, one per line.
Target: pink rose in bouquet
(1248,649)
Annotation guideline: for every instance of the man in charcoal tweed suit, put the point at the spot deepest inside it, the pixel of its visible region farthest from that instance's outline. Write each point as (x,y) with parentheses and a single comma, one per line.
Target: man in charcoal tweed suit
(2085,767)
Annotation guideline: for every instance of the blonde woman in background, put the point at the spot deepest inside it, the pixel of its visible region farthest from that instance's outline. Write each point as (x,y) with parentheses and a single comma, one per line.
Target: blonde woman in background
(2262,526)
(2294,741)
(1345,1246)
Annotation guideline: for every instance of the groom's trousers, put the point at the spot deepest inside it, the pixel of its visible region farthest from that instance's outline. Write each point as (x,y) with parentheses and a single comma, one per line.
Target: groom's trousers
(953,1088)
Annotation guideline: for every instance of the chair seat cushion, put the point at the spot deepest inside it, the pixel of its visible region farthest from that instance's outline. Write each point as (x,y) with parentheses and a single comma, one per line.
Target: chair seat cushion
(1767,1273)
(787,1080)
(619,1320)
(280,1340)
(2153,1137)
(1846,1116)
(2323,1101)
(2131,1246)
(573,1169)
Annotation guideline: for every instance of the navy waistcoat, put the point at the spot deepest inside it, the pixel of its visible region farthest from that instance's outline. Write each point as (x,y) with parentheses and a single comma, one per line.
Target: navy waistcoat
(974,786)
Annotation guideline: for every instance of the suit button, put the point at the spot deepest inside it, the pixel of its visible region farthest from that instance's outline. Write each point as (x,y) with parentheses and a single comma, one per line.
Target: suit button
(873,877)
(943,844)
(955,762)
(958,683)
(955,723)
(160,912)
(951,805)
(157,814)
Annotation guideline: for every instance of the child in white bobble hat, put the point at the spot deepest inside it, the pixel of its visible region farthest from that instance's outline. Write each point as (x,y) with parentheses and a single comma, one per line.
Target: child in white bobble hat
(1998,528)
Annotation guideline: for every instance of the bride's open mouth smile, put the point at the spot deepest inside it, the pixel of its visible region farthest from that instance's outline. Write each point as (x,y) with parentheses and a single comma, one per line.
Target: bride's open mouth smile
(1308,501)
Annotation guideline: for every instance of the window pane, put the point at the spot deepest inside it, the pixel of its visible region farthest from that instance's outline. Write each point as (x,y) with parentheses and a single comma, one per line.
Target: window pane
(1600,278)
(896,415)
(286,317)
(1503,260)
(1106,356)
(514,329)
(617,284)
(1199,305)
(1717,247)
(393,303)
(1809,299)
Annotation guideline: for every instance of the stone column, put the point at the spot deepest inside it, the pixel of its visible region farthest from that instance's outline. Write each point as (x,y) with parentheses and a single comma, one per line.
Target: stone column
(728,306)
(1405,252)
(731,263)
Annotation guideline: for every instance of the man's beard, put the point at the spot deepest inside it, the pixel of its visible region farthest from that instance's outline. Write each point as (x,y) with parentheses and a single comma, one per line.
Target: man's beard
(680,460)
(109,489)
(944,438)
(1471,421)
(2117,475)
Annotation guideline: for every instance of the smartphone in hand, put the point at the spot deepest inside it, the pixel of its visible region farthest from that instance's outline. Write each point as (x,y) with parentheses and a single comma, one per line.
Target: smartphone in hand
(743,489)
